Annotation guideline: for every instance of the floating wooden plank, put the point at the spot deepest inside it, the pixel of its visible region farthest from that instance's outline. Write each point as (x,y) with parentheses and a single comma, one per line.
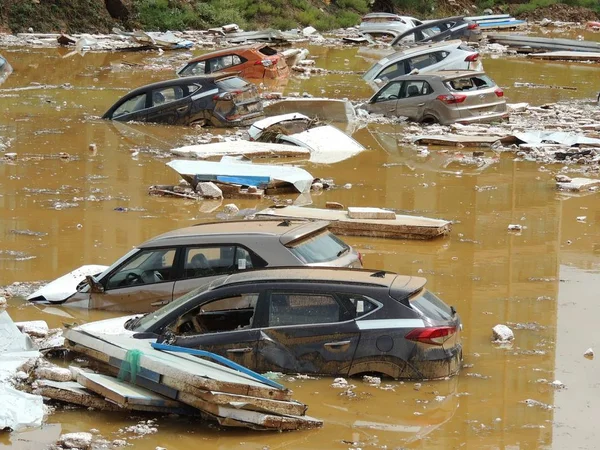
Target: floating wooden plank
(237,148)
(402,227)
(578,184)
(567,56)
(464,140)
(128,395)
(192,370)
(74,393)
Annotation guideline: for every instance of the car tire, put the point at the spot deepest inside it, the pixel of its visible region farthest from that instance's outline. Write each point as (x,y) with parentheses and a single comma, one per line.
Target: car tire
(429,120)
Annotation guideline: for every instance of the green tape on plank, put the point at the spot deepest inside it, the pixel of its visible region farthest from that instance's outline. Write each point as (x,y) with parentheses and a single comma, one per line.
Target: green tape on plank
(130,367)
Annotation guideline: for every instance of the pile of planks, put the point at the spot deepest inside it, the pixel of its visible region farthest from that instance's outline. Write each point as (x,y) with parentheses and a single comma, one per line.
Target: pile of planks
(167,381)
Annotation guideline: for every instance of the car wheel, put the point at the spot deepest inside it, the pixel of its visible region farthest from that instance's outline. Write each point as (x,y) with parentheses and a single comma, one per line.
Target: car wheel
(429,120)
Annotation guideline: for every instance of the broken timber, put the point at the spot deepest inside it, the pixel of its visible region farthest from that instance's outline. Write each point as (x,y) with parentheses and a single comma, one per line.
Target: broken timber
(230,397)
(402,227)
(465,141)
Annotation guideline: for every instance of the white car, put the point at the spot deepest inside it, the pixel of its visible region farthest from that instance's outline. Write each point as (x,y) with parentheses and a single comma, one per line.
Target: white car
(384,24)
(450,55)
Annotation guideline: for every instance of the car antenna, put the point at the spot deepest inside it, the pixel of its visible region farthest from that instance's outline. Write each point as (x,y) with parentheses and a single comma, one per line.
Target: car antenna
(379,274)
(285,223)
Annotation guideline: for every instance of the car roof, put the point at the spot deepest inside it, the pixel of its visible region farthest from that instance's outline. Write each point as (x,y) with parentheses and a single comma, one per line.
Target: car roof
(423,48)
(287,230)
(439,75)
(227,51)
(201,79)
(327,275)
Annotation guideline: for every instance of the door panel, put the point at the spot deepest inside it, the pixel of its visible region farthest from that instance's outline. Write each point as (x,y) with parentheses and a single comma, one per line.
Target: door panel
(134,299)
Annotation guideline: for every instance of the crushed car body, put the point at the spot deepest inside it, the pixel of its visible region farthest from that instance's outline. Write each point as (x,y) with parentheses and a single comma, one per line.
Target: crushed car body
(221,100)
(171,264)
(324,321)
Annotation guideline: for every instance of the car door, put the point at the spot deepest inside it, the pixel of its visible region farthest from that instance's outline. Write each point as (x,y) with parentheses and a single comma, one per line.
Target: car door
(203,263)
(305,332)
(169,105)
(131,108)
(414,97)
(385,101)
(223,326)
(141,284)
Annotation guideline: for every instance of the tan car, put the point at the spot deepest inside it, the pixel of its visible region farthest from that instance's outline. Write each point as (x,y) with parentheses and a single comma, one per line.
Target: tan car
(256,61)
(172,264)
(443,97)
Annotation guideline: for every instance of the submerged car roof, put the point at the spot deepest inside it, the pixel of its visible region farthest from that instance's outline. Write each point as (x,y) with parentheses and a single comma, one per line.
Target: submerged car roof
(227,51)
(212,77)
(440,75)
(287,230)
(422,48)
(335,275)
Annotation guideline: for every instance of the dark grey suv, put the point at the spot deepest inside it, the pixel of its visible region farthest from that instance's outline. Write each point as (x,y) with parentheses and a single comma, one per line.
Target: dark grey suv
(312,320)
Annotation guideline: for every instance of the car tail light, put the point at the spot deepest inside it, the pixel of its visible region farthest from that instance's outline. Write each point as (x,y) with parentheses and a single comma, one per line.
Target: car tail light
(360,258)
(472,57)
(431,335)
(451,99)
(264,63)
(472,26)
(226,95)
(499,92)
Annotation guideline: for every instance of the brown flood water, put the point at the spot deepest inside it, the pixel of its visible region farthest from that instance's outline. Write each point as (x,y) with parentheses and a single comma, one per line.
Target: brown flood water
(542,282)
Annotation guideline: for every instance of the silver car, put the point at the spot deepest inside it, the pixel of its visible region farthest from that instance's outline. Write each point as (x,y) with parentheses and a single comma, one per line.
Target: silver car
(441,97)
(426,58)
(172,264)
(385,24)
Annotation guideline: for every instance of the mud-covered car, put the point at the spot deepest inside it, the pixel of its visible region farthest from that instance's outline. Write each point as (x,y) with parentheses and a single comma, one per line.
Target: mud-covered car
(456,27)
(256,61)
(326,321)
(443,97)
(385,24)
(172,264)
(221,100)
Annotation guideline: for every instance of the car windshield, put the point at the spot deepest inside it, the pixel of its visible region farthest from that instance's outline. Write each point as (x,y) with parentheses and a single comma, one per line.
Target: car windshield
(372,72)
(431,306)
(230,84)
(322,247)
(146,322)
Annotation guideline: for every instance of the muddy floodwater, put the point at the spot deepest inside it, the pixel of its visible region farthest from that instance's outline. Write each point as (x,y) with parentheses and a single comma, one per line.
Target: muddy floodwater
(58,213)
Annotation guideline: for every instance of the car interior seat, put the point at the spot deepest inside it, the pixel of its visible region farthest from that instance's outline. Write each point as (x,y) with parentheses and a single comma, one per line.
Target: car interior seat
(199,266)
(413,90)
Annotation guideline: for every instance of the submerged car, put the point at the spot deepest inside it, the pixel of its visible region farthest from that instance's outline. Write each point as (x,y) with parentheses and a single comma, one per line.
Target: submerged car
(426,58)
(221,100)
(174,263)
(324,321)
(441,97)
(5,69)
(385,24)
(441,30)
(256,61)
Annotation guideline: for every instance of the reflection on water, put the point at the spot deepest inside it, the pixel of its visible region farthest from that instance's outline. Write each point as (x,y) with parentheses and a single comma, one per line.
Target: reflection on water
(92,207)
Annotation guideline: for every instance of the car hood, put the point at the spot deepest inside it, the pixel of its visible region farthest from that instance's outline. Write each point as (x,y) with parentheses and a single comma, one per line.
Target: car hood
(63,287)
(108,327)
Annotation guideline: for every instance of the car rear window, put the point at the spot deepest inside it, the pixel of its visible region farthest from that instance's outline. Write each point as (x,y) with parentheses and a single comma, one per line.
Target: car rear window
(268,51)
(431,306)
(472,83)
(230,84)
(318,248)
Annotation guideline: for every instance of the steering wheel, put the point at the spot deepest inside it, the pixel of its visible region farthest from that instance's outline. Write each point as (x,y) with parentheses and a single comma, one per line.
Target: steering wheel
(133,278)
(158,275)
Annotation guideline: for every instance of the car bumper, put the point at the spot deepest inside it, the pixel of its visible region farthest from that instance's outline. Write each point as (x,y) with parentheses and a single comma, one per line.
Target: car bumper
(486,118)
(438,368)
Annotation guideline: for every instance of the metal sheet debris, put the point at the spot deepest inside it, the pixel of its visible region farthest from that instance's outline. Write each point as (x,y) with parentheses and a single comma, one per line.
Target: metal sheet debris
(246,148)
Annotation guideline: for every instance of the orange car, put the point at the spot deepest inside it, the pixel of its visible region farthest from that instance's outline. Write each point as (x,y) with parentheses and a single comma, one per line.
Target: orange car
(257,61)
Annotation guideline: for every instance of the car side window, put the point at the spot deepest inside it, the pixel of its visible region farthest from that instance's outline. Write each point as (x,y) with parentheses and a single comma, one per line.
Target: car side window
(230,313)
(304,308)
(416,89)
(422,61)
(134,104)
(393,71)
(222,62)
(357,304)
(145,267)
(389,92)
(215,260)
(197,68)
(166,95)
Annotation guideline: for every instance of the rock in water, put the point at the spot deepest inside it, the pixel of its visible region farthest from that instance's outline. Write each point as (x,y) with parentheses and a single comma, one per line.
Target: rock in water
(589,353)
(502,333)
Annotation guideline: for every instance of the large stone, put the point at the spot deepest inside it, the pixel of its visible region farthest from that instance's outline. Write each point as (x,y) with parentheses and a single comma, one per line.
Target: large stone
(76,440)
(209,190)
(35,328)
(53,373)
(502,333)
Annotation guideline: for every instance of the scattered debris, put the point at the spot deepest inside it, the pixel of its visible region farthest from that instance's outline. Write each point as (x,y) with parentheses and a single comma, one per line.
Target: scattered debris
(79,440)
(502,333)
(589,353)
(515,227)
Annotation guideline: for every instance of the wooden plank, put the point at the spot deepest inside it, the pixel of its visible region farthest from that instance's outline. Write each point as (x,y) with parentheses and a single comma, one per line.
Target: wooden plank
(74,393)
(197,372)
(567,56)
(463,140)
(127,395)
(403,227)
(251,403)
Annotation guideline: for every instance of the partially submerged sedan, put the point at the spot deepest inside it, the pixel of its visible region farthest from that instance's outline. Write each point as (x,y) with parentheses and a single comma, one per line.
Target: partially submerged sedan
(221,100)
(443,97)
(256,61)
(426,58)
(173,263)
(456,27)
(324,321)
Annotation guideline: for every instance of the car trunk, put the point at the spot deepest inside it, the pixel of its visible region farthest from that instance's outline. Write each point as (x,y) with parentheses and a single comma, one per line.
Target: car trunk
(243,103)
(481,97)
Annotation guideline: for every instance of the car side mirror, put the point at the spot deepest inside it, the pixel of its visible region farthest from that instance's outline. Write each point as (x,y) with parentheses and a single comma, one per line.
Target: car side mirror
(95,287)
(377,81)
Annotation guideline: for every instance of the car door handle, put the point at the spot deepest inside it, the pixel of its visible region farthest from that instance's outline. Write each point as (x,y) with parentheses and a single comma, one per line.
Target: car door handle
(160,303)
(182,108)
(337,344)
(240,350)
(421,104)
